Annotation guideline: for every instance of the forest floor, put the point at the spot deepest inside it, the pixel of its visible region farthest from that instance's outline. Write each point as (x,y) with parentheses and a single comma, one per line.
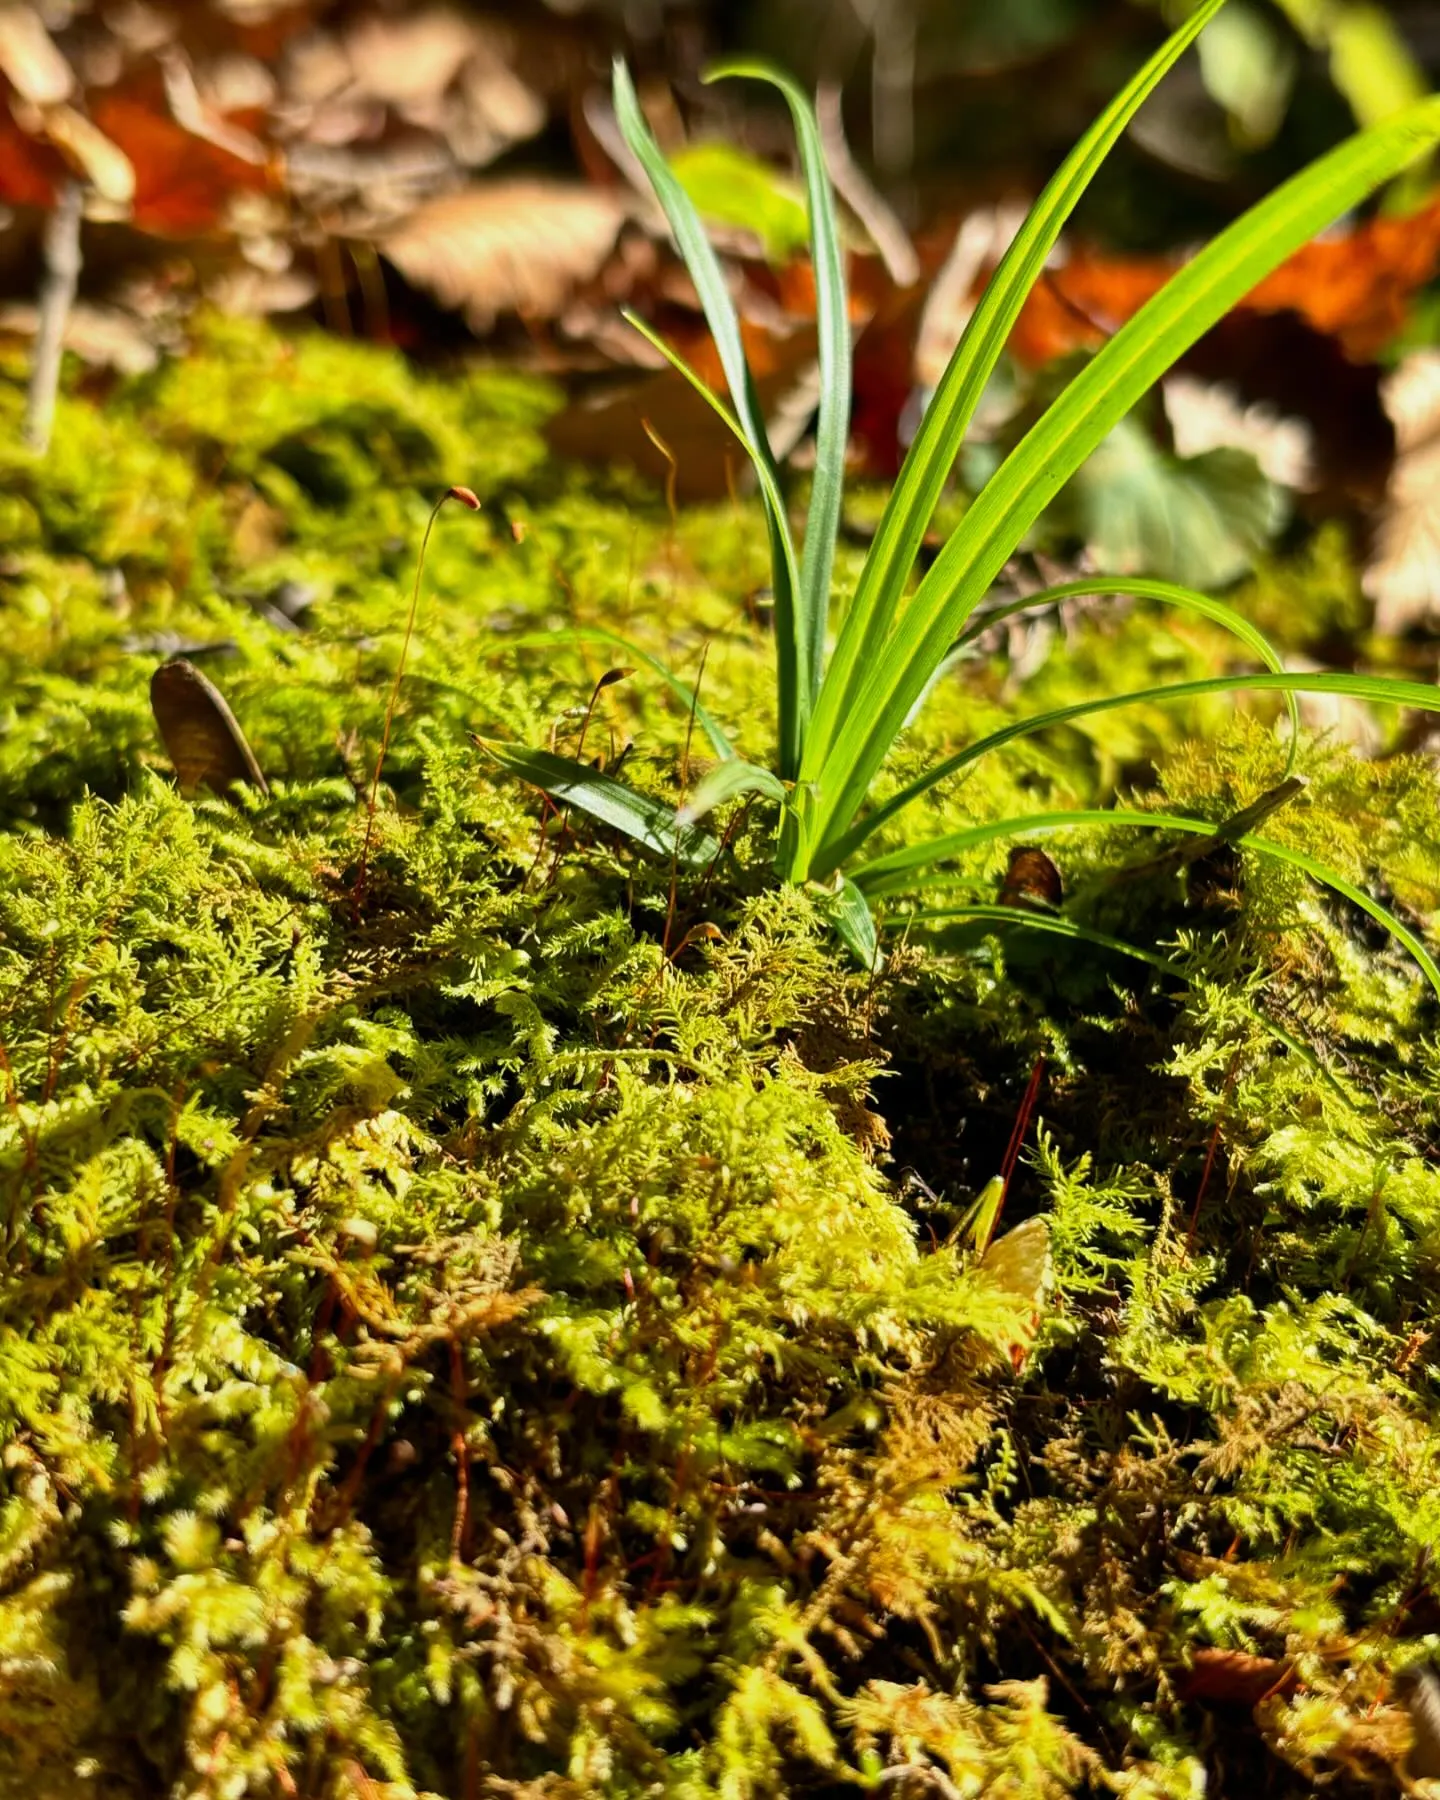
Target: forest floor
(487,1313)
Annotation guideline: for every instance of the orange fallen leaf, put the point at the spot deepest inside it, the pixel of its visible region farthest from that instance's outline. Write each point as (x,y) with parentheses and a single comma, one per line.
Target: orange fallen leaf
(183,183)
(1355,287)
(30,171)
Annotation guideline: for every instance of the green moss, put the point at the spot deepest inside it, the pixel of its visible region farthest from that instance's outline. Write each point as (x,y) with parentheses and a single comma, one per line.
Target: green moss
(503,1325)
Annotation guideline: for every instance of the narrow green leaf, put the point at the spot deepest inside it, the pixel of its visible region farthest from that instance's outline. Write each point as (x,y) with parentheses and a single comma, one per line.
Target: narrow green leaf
(1199,295)
(648,822)
(897,872)
(705,271)
(1054,923)
(792,688)
(1170,595)
(889,874)
(726,781)
(942,430)
(1057,925)
(855,926)
(1384,690)
(832,318)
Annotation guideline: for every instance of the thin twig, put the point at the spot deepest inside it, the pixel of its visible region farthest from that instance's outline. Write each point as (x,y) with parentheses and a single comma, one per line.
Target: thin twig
(1211,1153)
(57,296)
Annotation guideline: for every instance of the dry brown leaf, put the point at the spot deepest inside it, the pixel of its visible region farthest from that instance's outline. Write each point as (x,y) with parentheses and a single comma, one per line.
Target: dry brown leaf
(1403,578)
(101,336)
(202,737)
(521,246)
(245,291)
(30,60)
(1207,415)
(1235,1677)
(87,149)
(430,67)
(408,57)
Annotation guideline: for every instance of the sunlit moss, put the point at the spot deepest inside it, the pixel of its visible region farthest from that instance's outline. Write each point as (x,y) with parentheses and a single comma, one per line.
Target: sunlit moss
(506,1314)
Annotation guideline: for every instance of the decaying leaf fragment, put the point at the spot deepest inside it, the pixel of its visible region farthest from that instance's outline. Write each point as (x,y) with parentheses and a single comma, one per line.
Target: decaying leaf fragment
(200,733)
(521,246)
(1404,577)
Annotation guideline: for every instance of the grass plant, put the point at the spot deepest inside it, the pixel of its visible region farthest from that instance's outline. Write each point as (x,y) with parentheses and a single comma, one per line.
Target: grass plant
(843,705)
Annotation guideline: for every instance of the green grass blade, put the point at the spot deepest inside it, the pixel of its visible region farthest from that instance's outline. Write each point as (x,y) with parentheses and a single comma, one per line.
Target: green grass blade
(897,872)
(1169,595)
(832,319)
(727,781)
(942,430)
(1054,923)
(1383,690)
(648,822)
(1057,925)
(599,634)
(1133,360)
(1331,878)
(892,874)
(793,686)
(704,269)
(855,927)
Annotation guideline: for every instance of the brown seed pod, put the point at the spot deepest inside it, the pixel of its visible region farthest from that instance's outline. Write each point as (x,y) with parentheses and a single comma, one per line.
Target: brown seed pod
(1031,880)
(199,731)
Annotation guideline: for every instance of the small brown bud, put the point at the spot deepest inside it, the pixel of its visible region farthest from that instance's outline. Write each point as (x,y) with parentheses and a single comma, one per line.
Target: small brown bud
(466,497)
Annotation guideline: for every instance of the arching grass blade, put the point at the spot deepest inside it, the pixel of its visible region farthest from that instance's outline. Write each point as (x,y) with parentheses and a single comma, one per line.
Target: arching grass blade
(1384,690)
(1134,359)
(942,430)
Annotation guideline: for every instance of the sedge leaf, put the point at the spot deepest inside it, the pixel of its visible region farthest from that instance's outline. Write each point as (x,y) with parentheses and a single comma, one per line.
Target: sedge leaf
(727,781)
(832,320)
(704,269)
(942,430)
(650,823)
(1133,360)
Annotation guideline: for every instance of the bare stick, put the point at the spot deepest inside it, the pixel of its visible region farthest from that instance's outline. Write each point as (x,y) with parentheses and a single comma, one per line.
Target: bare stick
(57,296)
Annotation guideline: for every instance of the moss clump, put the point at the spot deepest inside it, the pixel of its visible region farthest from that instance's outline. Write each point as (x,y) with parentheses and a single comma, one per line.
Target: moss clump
(503,1325)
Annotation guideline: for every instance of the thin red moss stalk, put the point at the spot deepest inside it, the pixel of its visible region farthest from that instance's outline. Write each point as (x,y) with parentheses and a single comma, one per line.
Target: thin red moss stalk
(1017,1140)
(1211,1154)
(467,499)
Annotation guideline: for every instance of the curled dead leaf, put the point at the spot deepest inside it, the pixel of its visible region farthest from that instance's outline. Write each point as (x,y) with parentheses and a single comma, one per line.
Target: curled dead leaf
(1031,880)
(201,735)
